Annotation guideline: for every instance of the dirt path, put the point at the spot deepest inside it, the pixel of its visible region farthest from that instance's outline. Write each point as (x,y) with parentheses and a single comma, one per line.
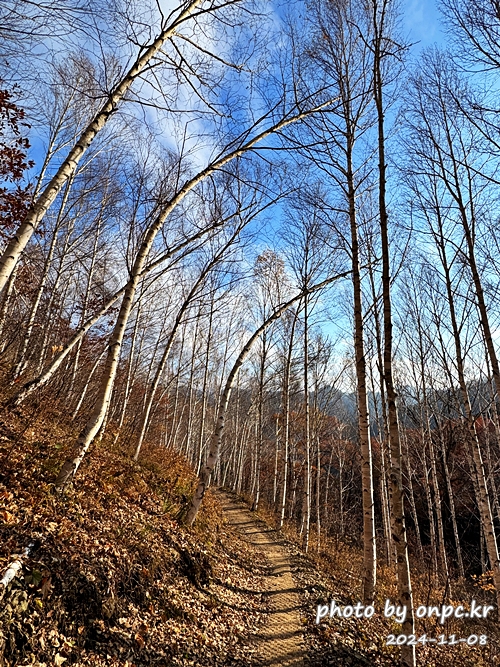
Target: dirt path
(280,640)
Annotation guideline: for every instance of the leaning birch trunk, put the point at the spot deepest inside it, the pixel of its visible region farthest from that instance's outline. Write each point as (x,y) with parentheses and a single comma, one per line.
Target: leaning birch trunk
(15,567)
(170,341)
(408,657)
(35,215)
(215,441)
(96,419)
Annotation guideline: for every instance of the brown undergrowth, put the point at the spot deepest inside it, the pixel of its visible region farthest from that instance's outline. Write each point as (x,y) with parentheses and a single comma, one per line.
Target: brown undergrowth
(113,578)
(334,573)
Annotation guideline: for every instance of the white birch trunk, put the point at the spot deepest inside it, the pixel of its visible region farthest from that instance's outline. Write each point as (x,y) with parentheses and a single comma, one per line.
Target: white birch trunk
(215,441)
(307,432)
(68,167)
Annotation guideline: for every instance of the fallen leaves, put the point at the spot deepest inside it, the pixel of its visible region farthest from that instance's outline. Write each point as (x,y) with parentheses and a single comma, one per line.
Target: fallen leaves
(116,580)
(8,517)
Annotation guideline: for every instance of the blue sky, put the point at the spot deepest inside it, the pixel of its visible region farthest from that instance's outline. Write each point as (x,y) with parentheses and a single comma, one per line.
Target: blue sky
(422,22)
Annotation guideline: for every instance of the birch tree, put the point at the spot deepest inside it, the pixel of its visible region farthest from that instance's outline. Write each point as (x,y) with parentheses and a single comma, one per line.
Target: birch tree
(341,32)
(383,49)
(215,441)
(38,209)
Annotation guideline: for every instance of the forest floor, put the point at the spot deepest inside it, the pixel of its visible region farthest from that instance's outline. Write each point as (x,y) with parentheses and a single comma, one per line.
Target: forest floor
(296,583)
(114,579)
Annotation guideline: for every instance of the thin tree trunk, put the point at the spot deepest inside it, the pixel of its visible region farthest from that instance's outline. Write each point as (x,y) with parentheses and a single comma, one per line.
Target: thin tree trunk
(408,658)
(128,382)
(174,420)
(213,454)
(37,211)
(369,538)
(87,384)
(204,388)
(438,505)
(276,460)
(318,491)
(430,513)
(384,496)
(327,490)
(411,494)
(453,514)
(383,421)
(286,418)
(260,420)
(191,399)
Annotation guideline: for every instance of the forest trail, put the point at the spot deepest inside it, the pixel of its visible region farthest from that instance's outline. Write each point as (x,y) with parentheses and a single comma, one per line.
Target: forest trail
(280,639)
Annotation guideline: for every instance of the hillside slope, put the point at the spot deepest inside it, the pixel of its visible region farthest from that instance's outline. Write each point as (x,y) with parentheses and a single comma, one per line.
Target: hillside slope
(113,578)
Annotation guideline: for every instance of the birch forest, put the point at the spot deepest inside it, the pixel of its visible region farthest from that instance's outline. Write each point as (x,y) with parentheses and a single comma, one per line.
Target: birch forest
(249,319)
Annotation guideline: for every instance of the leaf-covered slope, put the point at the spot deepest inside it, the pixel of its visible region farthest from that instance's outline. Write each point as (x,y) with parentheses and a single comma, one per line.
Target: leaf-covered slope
(113,578)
